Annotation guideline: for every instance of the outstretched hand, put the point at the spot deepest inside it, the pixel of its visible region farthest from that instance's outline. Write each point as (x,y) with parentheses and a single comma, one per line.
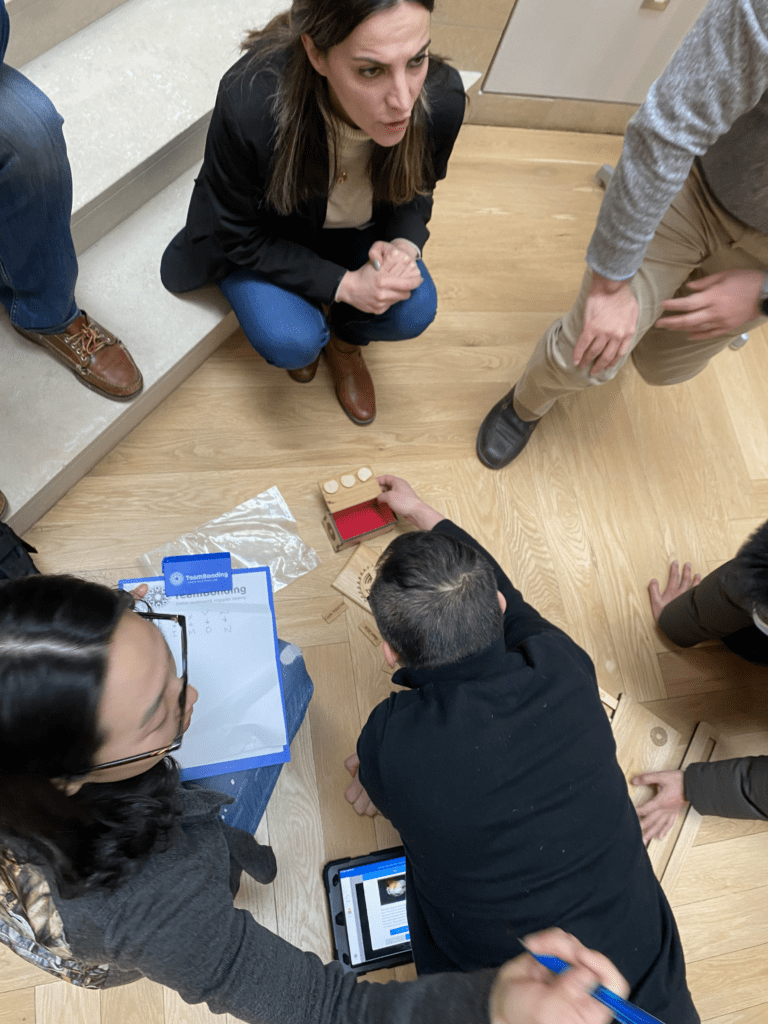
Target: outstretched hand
(676,585)
(526,992)
(658,815)
(405,502)
(355,793)
(719,304)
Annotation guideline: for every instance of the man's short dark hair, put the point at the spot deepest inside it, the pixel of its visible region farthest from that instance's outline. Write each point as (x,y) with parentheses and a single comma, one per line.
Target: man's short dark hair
(435,600)
(752,563)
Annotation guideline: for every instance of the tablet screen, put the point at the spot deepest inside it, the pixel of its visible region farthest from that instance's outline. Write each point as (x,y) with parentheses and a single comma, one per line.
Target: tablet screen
(374,909)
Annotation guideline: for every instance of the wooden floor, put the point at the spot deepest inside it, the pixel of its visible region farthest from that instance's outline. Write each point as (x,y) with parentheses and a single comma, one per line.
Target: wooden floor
(614,485)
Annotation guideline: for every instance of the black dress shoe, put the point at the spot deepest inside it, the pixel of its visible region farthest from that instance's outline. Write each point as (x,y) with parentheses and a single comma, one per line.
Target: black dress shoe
(503,435)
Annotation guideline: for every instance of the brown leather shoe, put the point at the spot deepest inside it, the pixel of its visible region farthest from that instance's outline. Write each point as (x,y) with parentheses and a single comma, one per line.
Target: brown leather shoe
(354,387)
(305,374)
(99,359)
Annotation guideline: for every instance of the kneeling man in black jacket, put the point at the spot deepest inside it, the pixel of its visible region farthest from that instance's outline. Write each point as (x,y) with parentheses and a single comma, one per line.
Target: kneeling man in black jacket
(497,765)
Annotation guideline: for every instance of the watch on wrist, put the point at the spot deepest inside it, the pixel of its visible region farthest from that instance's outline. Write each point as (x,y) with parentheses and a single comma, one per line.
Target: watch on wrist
(763,300)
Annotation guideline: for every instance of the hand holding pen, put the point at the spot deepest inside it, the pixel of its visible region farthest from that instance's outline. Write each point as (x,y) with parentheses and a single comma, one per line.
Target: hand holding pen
(527,992)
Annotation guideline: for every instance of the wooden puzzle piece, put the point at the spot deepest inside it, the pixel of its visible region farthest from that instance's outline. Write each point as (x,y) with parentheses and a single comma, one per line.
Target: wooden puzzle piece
(356,578)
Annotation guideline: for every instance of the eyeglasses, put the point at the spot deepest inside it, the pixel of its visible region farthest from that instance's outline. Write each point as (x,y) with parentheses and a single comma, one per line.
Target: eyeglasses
(181,622)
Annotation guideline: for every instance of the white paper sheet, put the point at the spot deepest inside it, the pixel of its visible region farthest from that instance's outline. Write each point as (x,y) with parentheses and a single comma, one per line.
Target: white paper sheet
(233,662)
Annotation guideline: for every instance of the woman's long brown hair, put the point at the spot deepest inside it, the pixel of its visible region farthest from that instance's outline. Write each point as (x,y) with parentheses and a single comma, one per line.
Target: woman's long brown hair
(304,116)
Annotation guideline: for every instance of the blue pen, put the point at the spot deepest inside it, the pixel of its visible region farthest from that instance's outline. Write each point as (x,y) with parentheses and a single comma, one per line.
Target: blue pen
(624,1012)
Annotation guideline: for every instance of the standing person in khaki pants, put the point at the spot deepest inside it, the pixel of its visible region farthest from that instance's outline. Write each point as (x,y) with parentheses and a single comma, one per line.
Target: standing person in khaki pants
(685,215)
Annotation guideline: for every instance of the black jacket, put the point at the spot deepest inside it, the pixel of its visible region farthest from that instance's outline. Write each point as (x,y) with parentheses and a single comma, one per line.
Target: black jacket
(500,774)
(229,224)
(716,609)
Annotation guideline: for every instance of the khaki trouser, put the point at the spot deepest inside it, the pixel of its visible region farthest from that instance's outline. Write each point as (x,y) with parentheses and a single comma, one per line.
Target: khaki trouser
(696,237)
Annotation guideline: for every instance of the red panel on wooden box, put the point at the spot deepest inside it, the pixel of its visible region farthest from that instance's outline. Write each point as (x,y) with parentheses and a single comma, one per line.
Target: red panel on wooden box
(362,518)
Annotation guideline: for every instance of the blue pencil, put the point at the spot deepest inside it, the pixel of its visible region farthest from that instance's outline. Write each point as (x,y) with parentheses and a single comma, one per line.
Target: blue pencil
(624,1012)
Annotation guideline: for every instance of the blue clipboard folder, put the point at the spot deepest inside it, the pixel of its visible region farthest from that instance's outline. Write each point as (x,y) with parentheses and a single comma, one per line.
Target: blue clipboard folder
(233,661)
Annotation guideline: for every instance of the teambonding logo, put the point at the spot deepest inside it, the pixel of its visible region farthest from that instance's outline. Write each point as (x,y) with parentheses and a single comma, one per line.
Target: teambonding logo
(197,574)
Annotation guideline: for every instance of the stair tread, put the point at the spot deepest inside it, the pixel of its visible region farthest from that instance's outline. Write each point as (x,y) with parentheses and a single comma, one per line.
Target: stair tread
(54,429)
(138,78)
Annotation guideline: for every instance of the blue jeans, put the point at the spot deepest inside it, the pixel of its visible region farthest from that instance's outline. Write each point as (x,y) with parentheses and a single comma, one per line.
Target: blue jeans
(38,266)
(253,788)
(289,331)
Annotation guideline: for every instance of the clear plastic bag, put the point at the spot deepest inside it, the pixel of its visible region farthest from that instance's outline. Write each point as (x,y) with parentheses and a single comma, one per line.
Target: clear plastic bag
(261,531)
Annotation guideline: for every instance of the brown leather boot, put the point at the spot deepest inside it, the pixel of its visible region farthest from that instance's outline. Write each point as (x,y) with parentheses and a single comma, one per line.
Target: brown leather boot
(354,387)
(304,374)
(96,357)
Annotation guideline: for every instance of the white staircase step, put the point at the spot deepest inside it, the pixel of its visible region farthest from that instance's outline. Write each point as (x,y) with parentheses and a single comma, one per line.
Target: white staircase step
(37,25)
(53,429)
(136,89)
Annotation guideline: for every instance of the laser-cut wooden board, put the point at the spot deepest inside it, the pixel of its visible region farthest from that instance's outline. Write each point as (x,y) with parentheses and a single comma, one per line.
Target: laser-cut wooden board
(343,490)
(355,579)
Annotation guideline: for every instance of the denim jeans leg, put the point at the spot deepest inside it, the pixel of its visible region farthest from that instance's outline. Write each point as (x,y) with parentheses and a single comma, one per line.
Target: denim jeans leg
(284,328)
(38,266)
(253,787)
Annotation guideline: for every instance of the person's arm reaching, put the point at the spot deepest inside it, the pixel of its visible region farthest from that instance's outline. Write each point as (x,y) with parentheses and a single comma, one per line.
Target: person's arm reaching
(691,609)
(737,788)
(521,620)
(192,939)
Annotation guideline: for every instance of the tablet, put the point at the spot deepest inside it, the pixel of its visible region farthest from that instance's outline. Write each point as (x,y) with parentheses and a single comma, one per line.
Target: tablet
(366,898)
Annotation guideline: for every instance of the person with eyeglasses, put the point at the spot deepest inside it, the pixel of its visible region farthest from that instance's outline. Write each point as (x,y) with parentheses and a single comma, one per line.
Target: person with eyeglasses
(111,871)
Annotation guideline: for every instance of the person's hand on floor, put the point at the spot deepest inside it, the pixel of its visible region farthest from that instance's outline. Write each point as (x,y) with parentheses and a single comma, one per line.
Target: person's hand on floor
(355,792)
(526,992)
(405,502)
(719,304)
(676,585)
(658,815)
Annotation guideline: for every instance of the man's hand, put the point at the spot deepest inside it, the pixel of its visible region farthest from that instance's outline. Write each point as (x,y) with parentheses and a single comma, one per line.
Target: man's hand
(610,321)
(676,585)
(405,502)
(658,815)
(526,992)
(355,793)
(720,304)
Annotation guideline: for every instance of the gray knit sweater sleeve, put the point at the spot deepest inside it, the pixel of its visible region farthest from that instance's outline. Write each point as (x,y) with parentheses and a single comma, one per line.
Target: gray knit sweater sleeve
(174,922)
(719,73)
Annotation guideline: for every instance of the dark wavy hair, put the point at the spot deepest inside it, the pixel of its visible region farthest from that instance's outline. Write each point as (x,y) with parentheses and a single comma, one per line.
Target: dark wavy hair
(752,563)
(303,110)
(435,600)
(55,635)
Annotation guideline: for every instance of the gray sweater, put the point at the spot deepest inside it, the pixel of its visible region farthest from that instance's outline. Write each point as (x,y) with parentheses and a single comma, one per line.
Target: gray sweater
(710,103)
(174,922)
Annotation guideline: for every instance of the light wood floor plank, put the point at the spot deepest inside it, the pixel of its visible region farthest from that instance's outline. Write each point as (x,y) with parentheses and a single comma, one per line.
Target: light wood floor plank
(139,1003)
(717,869)
(725,984)
(18,1007)
(64,1002)
(752,1015)
(335,727)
